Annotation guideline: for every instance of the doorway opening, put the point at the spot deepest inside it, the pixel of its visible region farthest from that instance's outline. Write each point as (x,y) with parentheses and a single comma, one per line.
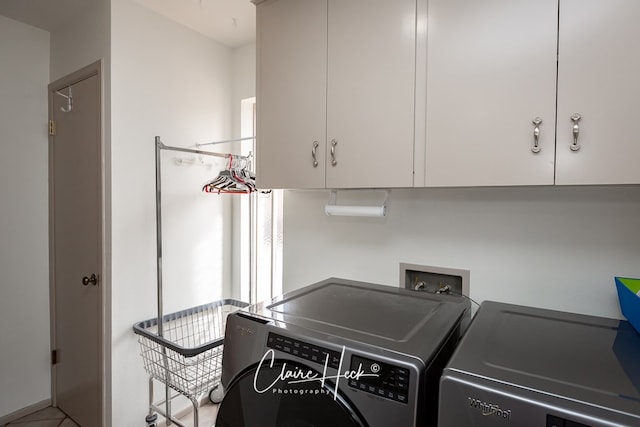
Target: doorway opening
(260,227)
(76,245)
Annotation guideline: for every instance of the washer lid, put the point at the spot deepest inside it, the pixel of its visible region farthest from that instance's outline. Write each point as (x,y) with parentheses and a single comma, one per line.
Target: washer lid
(415,323)
(589,359)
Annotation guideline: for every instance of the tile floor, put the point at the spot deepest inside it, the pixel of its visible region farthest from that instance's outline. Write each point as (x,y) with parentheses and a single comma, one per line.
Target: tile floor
(48,417)
(207,414)
(53,417)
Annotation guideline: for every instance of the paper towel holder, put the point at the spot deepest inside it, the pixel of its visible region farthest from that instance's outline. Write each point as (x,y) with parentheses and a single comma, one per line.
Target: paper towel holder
(333,209)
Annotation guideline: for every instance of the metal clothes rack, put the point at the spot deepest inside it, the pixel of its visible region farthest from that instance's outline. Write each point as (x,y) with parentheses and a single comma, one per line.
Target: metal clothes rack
(159,147)
(228,140)
(225,305)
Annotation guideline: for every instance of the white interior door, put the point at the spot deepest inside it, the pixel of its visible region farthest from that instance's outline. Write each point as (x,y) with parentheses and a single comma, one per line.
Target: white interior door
(75,197)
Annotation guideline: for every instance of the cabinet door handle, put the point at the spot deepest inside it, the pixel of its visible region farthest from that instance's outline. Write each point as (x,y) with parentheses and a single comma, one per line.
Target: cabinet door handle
(333,152)
(575,118)
(313,153)
(536,134)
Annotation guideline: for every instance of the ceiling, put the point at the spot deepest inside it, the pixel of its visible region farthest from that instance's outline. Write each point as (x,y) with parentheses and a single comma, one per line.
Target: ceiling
(230,22)
(45,14)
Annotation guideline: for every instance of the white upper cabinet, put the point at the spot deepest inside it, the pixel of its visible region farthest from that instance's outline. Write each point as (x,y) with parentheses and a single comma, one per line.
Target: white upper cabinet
(338,75)
(370,94)
(291,93)
(491,71)
(599,78)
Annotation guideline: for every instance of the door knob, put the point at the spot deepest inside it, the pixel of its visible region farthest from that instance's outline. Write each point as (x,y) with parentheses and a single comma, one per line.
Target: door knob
(93,280)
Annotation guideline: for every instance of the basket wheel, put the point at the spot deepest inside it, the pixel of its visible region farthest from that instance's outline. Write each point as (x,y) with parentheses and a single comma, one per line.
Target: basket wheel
(151,420)
(216,394)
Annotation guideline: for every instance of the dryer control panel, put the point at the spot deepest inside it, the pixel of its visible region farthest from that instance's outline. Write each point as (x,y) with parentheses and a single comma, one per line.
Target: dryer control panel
(382,379)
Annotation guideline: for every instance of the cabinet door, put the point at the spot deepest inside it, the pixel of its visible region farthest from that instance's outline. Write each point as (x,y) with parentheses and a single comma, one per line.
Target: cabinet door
(291,93)
(491,70)
(370,95)
(599,78)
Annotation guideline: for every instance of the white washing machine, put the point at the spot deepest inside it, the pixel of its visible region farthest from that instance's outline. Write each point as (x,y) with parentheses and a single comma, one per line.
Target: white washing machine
(530,367)
(339,353)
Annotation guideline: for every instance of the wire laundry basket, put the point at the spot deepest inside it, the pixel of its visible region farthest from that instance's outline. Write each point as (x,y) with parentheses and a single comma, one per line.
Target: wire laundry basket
(188,355)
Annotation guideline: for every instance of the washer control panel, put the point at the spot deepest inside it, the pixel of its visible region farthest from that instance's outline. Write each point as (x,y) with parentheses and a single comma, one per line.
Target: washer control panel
(381,379)
(304,350)
(368,375)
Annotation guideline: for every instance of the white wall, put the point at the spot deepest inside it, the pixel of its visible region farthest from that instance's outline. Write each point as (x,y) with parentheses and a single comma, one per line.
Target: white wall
(244,80)
(171,82)
(557,248)
(24,262)
(82,41)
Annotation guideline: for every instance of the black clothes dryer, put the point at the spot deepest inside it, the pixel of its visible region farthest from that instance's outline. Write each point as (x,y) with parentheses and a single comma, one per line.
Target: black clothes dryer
(339,353)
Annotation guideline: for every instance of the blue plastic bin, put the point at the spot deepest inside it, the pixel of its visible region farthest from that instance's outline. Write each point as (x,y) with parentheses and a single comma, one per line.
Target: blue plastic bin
(629,300)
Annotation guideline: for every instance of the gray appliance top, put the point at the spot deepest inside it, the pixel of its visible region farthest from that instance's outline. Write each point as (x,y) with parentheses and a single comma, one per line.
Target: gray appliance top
(590,359)
(415,323)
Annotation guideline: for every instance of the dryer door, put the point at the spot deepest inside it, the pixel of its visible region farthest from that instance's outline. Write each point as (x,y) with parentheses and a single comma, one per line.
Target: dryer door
(285,394)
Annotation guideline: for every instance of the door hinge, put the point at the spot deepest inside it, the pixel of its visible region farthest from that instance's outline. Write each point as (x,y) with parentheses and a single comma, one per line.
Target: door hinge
(52,128)
(54,357)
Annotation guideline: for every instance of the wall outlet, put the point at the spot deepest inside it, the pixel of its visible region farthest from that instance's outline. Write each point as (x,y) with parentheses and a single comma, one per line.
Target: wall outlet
(428,278)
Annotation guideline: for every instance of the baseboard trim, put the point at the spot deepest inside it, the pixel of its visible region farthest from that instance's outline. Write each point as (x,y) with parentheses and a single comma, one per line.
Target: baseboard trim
(6,419)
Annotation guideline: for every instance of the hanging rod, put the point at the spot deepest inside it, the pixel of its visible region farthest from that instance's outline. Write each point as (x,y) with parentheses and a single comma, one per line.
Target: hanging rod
(225,141)
(162,146)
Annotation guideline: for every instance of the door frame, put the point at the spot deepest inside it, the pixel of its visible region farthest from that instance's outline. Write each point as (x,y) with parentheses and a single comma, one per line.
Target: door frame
(94,69)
